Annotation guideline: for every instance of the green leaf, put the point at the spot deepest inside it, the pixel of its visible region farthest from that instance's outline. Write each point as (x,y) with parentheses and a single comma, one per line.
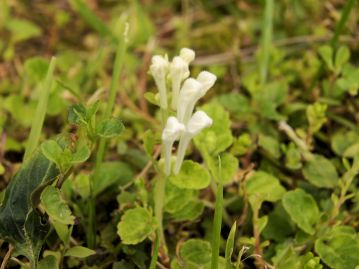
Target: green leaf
(36,68)
(191,176)
(320,172)
(229,167)
(79,252)
(343,140)
(230,246)
(236,103)
(176,198)
(49,262)
(52,151)
(302,209)
(20,222)
(196,251)
(326,52)
(81,154)
(270,144)
(264,187)
(77,114)
(22,29)
(339,249)
(341,57)
(55,206)
(316,116)
(135,226)
(110,128)
(149,142)
(193,209)
(218,137)
(111,173)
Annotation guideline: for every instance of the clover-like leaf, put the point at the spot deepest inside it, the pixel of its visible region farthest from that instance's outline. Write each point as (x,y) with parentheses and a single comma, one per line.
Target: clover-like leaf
(135,225)
(191,176)
(110,128)
(196,251)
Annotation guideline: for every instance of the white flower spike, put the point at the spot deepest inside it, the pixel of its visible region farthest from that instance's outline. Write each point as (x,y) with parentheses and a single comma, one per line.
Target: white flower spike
(196,124)
(187,55)
(178,72)
(190,90)
(170,134)
(159,69)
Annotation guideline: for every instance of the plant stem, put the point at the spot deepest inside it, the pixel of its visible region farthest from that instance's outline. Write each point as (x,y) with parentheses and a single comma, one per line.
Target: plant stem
(40,113)
(155,252)
(267,29)
(119,60)
(217,225)
(159,197)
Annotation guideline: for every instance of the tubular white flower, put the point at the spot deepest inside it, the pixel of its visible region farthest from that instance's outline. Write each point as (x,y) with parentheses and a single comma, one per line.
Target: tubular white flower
(190,90)
(187,55)
(178,72)
(159,70)
(170,134)
(196,124)
(207,80)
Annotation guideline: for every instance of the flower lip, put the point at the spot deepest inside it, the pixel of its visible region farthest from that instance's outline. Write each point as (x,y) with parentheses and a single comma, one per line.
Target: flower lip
(173,129)
(189,93)
(207,80)
(198,122)
(187,55)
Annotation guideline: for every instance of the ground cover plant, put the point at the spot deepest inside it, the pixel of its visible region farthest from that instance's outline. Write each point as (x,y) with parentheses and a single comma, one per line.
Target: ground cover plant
(179,134)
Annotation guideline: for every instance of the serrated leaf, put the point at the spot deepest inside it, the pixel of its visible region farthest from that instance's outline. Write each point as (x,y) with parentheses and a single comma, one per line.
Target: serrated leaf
(49,262)
(55,206)
(79,252)
(191,176)
(196,251)
(229,167)
(110,128)
(81,154)
(193,209)
(135,226)
(320,172)
(302,209)
(20,222)
(326,52)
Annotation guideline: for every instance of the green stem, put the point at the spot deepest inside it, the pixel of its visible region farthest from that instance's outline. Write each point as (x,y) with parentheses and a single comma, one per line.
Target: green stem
(159,197)
(217,225)
(267,30)
(155,253)
(119,60)
(40,113)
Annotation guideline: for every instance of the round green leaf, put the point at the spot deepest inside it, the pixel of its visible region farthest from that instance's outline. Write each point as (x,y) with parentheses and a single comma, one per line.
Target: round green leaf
(110,128)
(302,209)
(191,176)
(135,225)
(196,251)
(229,167)
(320,172)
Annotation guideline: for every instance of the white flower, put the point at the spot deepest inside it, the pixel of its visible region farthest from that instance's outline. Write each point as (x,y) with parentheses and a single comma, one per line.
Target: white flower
(178,72)
(196,124)
(187,55)
(190,90)
(207,80)
(170,134)
(159,70)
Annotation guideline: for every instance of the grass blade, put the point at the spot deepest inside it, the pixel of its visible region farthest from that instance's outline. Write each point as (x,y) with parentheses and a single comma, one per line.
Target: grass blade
(267,29)
(230,246)
(40,113)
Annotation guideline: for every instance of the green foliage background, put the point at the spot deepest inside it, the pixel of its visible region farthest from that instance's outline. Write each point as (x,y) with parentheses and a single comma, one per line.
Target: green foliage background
(285,111)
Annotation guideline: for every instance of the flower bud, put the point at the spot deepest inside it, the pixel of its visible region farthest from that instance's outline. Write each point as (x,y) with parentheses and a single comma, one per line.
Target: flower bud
(178,72)
(187,55)
(159,70)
